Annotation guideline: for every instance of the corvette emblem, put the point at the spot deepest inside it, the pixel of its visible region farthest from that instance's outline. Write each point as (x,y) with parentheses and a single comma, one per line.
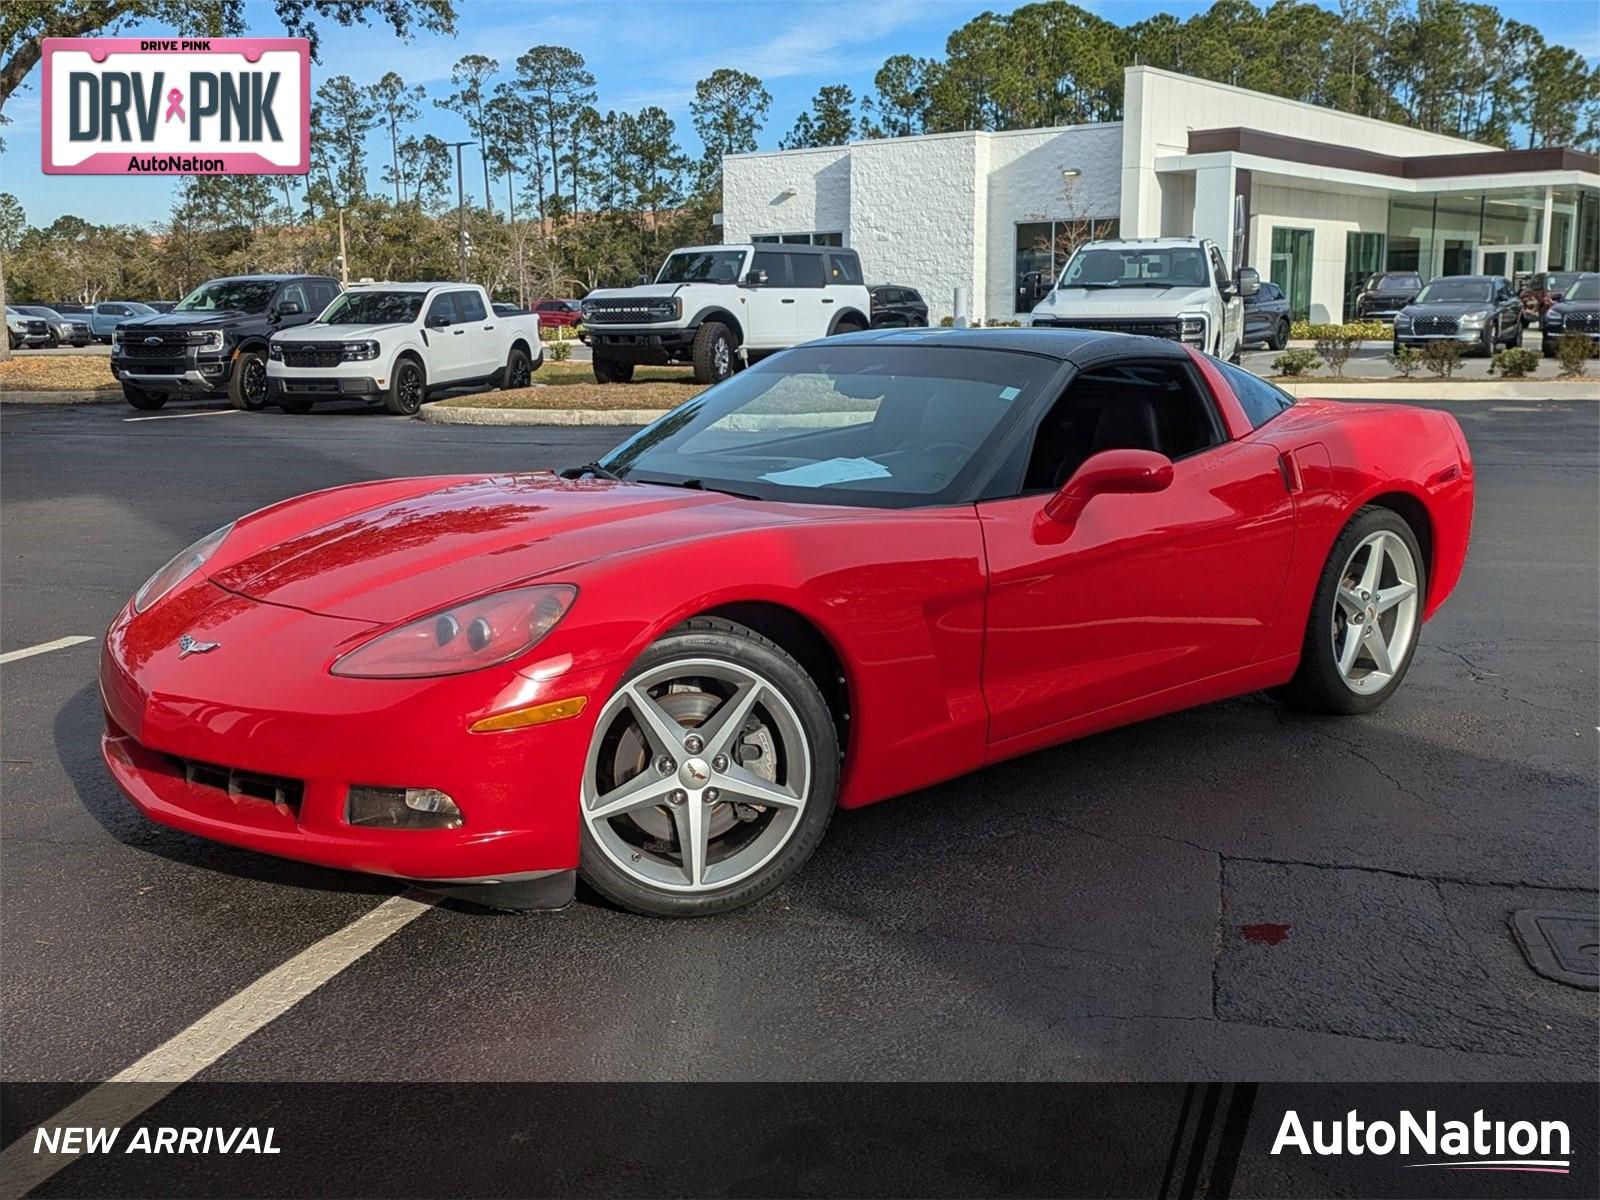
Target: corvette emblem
(187,646)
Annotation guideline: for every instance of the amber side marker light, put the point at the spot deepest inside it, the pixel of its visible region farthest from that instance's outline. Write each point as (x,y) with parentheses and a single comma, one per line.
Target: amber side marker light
(538,714)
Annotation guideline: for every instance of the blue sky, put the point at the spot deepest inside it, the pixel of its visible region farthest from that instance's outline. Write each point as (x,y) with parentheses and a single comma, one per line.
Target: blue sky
(641,51)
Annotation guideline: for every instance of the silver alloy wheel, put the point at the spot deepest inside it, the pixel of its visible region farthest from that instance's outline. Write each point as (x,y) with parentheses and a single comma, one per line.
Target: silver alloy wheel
(697,775)
(1375,613)
(721,357)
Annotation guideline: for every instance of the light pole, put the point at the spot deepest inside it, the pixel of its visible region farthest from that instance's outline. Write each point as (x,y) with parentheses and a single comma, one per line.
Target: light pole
(461,214)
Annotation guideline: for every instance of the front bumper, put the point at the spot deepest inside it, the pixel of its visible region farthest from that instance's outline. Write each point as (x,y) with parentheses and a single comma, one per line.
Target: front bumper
(263,707)
(1466,337)
(642,346)
(324,387)
(183,373)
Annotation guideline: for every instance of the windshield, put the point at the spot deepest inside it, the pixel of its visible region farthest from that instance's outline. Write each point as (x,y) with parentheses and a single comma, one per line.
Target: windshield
(1587,287)
(374,308)
(1455,291)
(1560,283)
(1393,282)
(229,295)
(1134,266)
(702,266)
(877,426)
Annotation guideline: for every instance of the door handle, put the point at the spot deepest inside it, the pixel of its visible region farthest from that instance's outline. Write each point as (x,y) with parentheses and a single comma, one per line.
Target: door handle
(827,299)
(487,328)
(458,332)
(790,301)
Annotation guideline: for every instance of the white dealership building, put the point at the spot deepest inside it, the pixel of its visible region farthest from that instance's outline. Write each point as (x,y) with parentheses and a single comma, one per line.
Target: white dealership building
(1329,197)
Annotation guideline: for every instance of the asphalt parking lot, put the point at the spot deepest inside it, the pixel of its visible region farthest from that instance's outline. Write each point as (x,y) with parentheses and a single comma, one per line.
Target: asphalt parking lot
(1230,893)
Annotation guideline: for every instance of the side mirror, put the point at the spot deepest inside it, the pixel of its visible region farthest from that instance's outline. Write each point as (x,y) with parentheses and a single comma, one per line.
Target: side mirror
(642,281)
(756,278)
(289,308)
(438,321)
(1247,281)
(1111,472)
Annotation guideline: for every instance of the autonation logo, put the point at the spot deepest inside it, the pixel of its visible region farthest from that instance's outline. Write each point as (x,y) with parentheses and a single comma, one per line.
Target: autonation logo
(1476,1145)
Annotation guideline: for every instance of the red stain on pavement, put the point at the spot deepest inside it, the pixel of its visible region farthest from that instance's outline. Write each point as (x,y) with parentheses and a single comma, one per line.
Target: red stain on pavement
(1267,935)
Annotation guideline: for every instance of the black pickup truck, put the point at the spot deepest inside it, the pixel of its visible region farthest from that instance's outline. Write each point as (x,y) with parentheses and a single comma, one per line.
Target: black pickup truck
(214,343)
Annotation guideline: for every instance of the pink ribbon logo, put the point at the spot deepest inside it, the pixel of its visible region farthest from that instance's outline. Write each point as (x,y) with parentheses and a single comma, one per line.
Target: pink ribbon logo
(175,105)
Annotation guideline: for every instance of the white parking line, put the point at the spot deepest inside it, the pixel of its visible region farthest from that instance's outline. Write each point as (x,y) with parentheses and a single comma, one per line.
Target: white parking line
(210,412)
(76,639)
(186,1054)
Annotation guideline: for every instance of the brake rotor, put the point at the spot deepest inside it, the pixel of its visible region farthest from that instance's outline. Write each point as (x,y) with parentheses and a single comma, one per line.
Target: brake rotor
(690,707)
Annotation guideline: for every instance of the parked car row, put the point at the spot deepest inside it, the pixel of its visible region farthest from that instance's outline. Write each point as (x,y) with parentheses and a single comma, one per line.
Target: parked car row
(298,339)
(60,329)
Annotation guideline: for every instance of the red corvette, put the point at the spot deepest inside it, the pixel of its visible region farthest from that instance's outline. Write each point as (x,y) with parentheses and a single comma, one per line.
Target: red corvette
(855,569)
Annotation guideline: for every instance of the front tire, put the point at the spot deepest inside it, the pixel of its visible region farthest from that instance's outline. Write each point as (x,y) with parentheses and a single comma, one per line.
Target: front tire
(1280,336)
(141,399)
(612,370)
(1365,620)
(711,774)
(247,390)
(712,353)
(407,389)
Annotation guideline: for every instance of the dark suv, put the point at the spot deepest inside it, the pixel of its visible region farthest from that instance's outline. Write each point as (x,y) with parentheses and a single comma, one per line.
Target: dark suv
(894,305)
(214,343)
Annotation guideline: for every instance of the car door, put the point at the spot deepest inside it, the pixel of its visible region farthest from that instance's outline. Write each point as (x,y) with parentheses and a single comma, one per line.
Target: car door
(772,305)
(1510,310)
(479,333)
(1232,306)
(293,293)
(815,301)
(448,356)
(1142,594)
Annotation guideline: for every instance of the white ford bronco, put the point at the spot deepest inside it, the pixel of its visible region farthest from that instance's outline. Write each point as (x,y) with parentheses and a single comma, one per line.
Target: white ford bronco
(720,306)
(397,344)
(1176,288)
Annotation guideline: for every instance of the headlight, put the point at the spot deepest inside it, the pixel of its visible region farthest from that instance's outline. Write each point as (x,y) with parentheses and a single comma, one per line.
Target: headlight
(275,350)
(1402,320)
(479,633)
(587,308)
(666,309)
(116,338)
(358,351)
(1473,320)
(1192,329)
(1555,320)
(180,568)
(207,339)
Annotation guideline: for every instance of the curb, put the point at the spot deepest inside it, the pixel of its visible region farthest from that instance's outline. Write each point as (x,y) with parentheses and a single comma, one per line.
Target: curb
(102,396)
(433,414)
(1476,389)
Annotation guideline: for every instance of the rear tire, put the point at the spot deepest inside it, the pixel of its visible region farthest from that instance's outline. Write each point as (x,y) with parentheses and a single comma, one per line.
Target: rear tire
(1319,685)
(638,861)
(518,372)
(407,389)
(712,353)
(247,390)
(612,370)
(141,399)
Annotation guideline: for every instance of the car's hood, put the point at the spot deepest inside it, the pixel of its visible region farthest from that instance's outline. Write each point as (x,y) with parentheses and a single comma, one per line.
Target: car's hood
(335,333)
(1573,306)
(182,320)
(1124,302)
(648,291)
(415,551)
(1453,308)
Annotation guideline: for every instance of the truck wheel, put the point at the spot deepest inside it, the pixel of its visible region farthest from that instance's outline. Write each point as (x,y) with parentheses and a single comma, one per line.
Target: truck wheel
(247,389)
(406,389)
(612,370)
(13,340)
(518,372)
(298,405)
(713,353)
(142,399)
(849,325)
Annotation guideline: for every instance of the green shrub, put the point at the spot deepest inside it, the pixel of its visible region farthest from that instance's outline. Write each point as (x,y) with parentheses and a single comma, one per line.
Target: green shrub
(1514,362)
(1442,357)
(558,351)
(997,323)
(947,322)
(1336,343)
(1294,363)
(1371,331)
(1405,360)
(1571,351)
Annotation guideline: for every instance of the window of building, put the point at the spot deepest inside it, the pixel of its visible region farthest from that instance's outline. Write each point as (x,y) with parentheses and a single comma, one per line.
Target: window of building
(1291,268)
(1043,248)
(826,238)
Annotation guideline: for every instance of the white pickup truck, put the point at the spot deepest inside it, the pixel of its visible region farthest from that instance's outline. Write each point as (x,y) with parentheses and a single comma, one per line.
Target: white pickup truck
(399,343)
(1176,288)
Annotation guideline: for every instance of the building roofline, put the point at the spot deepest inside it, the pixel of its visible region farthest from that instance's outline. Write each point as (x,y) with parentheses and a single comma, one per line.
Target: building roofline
(927,137)
(1319,108)
(1243,140)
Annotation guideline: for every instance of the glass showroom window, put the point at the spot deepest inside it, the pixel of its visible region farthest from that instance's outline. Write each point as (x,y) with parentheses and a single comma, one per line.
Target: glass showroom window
(1574,229)
(825,238)
(1043,248)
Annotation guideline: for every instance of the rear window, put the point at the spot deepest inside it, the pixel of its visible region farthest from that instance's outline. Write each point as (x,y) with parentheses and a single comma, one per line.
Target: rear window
(805,270)
(1260,400)
(844,268)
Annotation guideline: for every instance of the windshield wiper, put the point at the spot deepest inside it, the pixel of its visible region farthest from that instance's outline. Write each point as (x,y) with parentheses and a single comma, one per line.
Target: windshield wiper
(699,485)
(590,468)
